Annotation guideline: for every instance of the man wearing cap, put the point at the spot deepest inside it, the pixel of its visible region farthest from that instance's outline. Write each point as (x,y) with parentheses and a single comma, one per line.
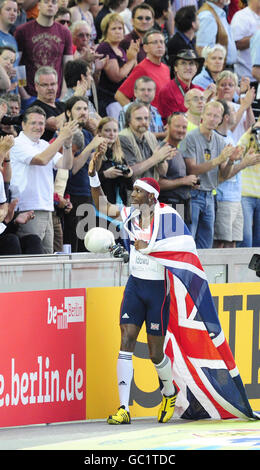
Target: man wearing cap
(171,95)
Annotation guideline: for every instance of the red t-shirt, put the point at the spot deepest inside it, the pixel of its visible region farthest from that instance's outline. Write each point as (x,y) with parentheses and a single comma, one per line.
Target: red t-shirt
(40,46)
(171,99)
(159,73)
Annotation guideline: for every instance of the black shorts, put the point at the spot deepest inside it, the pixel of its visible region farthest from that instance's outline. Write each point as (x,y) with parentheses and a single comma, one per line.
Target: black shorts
(146,301)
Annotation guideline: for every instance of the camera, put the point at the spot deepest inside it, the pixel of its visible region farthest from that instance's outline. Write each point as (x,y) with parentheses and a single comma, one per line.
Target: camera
(124,168)
(118,251)
(256,132)
(255,264)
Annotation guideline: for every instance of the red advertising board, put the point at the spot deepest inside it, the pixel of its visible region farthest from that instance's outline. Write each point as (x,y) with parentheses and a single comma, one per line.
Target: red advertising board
(42,357)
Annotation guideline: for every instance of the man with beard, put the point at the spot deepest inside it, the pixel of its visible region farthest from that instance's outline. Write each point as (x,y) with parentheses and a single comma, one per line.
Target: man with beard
(144,92)
(140,147)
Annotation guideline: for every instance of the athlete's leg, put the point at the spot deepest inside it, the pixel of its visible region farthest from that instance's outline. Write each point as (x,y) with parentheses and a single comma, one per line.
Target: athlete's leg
(163,367)
(129,334)
(161,362)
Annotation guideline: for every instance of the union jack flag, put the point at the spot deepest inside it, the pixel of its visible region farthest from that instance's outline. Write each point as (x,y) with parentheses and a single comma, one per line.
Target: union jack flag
(203,367)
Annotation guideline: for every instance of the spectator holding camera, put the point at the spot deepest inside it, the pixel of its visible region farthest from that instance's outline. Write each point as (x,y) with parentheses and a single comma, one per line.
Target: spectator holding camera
(114,174)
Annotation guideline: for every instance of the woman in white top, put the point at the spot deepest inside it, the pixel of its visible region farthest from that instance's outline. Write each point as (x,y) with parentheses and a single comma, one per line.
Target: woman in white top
(81,12)
(227,83)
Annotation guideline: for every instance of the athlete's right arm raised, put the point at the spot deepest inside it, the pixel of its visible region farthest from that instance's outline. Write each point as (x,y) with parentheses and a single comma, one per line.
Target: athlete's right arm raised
(99,198)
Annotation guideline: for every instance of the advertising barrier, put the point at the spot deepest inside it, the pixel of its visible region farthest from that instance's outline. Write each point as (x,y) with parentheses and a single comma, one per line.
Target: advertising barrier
(59,349)
(238,306)
(42,357)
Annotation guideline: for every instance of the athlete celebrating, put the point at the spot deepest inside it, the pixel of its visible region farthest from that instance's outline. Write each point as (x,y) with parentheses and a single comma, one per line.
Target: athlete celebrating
(197,355)
(146,297)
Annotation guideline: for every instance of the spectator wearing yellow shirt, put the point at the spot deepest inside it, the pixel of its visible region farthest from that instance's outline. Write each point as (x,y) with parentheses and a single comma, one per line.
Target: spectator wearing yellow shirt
(251,190)
(194,101)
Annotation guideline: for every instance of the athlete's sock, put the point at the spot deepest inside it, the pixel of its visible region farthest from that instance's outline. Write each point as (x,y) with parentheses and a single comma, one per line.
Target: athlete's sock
(124,376)
(164,372)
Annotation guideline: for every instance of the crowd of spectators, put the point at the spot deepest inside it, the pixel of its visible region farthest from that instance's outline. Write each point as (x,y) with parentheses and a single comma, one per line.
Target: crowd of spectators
(163,89)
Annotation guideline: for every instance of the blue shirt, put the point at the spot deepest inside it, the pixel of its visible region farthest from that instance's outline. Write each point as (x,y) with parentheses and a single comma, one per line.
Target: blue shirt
(156,124)
(207,33)
(203,79)
(255,48)
(7,39)
(230,190)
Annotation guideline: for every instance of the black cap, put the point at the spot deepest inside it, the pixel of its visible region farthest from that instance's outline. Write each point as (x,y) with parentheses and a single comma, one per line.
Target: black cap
(187,54)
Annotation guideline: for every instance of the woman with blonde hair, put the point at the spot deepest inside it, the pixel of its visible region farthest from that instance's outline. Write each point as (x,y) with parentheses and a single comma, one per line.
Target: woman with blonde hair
(227,85)
(213,65)
(114,174)
(118,66)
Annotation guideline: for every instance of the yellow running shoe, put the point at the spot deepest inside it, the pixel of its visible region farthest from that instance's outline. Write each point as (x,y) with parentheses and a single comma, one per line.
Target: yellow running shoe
(121,417)
(167,408)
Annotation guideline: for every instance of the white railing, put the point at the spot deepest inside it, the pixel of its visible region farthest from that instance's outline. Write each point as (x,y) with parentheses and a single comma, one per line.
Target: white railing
(91,270)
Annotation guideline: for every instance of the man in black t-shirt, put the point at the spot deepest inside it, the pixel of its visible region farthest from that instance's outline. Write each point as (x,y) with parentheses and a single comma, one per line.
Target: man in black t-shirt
(46,85)
(186,25)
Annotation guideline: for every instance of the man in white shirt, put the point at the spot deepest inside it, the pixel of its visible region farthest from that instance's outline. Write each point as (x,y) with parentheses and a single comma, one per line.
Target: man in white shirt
(33,161)
(214,28)
(3,205)
(244,24)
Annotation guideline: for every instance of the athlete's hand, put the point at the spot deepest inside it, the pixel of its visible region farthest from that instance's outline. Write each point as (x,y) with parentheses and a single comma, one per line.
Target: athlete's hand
(140,244)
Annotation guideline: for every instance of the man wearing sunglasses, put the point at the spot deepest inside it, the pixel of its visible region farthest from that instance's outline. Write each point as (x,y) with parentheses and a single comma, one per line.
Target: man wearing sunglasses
(63,16)
(151,66)
(143,21)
